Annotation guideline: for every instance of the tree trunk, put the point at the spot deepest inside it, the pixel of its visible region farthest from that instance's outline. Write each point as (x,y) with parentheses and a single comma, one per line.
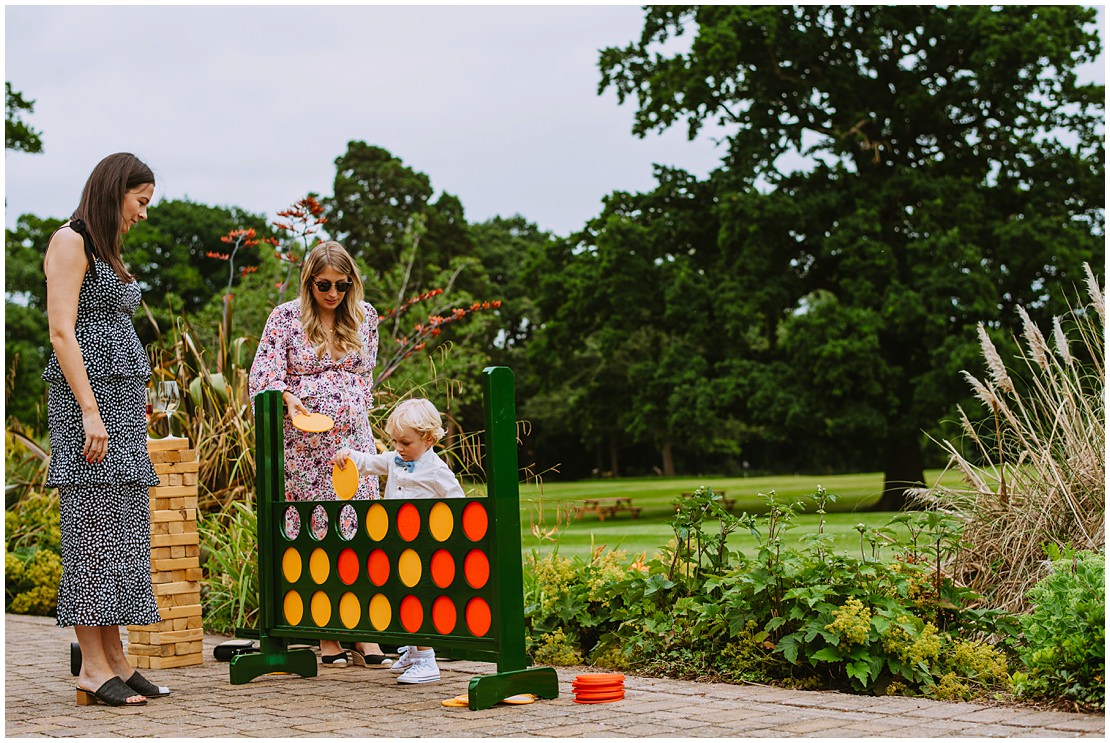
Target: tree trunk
(614,464)
(668,459)
(903,468)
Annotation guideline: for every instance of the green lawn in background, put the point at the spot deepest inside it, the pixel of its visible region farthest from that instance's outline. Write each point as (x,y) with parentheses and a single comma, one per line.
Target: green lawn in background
(548,506)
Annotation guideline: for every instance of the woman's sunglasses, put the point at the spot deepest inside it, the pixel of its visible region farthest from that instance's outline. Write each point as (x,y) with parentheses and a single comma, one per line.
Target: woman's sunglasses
(340,286)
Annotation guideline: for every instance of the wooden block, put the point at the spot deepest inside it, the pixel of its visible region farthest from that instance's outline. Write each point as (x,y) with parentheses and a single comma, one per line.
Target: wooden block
(179,661)
(174,514)
(189,648)
(172,637)
(161,540)
(138,637)
(189,478)
(166,444)
(166,563)
(136,648)
(163,589)
(168,491)
(194,573)
(185,610)
(169,468)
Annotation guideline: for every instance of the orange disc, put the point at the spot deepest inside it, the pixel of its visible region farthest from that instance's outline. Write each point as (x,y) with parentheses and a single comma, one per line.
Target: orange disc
(344,481)
(443,568)
(377,567)
(412,614)
(408,522)
(444,615)
(475,521)
(476,568)
(478,617)
(313,423)
(348,566)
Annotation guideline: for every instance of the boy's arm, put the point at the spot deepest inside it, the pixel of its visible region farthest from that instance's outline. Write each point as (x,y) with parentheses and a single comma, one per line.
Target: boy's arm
(371,464)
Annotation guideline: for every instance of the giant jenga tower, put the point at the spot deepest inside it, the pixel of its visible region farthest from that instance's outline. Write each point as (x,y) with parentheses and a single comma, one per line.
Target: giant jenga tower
(177,640)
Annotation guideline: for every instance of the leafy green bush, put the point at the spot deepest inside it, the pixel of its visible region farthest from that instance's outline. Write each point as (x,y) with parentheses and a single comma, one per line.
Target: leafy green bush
(800,616)
(1065,635)
(32,561)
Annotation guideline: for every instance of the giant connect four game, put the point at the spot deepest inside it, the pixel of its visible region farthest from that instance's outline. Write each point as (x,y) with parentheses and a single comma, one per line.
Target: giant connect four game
(439,572)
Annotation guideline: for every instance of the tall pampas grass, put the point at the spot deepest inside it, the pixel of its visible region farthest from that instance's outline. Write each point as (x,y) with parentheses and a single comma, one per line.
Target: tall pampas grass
(1036,470)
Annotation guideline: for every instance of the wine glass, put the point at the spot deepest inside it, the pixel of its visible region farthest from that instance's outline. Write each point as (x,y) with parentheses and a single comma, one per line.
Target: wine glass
(169,395)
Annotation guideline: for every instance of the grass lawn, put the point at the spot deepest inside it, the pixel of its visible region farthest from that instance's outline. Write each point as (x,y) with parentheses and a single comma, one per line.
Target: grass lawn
(549,508)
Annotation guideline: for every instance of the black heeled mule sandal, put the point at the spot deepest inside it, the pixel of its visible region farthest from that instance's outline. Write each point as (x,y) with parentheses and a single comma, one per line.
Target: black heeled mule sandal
(141,686)
(112,692)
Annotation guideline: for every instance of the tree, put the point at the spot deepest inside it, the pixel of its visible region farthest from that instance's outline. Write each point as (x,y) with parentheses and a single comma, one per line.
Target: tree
(954,171)
(19,136)
(375,197)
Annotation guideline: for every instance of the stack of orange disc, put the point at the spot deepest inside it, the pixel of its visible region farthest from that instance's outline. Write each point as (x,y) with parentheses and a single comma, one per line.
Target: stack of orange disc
(597,688)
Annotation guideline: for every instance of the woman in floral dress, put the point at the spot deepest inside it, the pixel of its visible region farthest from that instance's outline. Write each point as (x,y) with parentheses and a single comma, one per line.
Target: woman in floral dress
(320,351)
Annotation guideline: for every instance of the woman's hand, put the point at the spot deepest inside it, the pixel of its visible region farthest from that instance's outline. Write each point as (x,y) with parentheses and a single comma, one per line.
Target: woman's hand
(293,404)
(96,437)
(340,458)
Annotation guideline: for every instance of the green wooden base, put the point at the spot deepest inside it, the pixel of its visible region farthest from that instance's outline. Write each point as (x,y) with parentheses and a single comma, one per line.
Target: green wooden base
(486,691)
(250,666)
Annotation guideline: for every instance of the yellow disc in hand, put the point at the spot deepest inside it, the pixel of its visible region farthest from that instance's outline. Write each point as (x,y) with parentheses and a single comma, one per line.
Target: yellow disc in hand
(313,423)
(344,481)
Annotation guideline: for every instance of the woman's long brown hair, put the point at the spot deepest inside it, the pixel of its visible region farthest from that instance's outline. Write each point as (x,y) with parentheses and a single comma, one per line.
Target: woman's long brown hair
(348,315)
(101,205)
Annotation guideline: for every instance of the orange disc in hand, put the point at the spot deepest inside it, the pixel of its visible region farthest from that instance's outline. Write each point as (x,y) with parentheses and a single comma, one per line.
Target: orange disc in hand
(313,423)
(344,481)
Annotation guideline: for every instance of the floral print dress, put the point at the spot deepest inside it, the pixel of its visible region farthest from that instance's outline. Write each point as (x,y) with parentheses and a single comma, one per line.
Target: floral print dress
(341,390)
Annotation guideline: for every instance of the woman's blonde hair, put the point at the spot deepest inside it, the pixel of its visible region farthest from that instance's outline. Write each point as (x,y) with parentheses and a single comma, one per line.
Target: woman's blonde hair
(349,315)
(417,414)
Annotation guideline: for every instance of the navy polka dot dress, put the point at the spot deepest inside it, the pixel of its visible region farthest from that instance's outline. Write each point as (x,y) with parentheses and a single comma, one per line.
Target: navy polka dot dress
(105,511)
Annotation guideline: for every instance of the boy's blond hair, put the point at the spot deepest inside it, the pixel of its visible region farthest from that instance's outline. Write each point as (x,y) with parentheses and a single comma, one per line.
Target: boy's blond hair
(417,414)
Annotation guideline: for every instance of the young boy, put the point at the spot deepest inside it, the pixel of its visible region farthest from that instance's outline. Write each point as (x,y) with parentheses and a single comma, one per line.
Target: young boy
(414,471)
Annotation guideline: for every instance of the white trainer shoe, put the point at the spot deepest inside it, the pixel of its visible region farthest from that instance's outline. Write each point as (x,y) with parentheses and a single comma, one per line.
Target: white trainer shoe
(403,663)
(423,670)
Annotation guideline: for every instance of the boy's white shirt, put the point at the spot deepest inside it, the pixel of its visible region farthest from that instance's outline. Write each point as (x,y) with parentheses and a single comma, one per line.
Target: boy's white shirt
(430,478)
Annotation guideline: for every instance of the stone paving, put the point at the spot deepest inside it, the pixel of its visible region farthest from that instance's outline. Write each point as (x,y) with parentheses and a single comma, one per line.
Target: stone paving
(361,702)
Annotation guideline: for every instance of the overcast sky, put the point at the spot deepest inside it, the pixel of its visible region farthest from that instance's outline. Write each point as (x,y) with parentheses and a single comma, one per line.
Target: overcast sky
(251,105)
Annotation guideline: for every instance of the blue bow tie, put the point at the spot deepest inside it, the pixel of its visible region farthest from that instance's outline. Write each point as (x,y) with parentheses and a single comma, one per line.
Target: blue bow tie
(407,466)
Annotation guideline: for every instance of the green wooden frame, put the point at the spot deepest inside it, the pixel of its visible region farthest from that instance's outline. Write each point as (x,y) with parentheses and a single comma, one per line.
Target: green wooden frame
(502,644)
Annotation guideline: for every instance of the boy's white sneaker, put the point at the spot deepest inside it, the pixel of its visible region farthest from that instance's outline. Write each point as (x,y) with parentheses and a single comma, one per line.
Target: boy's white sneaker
(423,670)
(403,663)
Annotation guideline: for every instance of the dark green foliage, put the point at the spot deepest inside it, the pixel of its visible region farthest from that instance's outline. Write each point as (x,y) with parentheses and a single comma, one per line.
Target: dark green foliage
(18,136)
(1064,645)
(955,171)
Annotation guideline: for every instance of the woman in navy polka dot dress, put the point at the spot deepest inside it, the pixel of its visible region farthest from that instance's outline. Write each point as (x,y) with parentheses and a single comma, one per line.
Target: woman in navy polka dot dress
(99,462)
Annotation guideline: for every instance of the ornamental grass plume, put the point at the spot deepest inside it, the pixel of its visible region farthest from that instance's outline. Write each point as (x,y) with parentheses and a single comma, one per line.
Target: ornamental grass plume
(1038,477)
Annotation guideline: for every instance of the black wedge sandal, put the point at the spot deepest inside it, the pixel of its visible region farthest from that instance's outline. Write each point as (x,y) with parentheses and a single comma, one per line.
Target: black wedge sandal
(112,692)
(339,660)
(141,686)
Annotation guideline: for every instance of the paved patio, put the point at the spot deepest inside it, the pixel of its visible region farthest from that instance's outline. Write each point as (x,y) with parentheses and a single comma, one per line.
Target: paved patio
(361,702)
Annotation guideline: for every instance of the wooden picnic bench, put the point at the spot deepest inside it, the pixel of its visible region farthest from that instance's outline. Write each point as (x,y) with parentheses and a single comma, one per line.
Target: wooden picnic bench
(728,503)
(606,507)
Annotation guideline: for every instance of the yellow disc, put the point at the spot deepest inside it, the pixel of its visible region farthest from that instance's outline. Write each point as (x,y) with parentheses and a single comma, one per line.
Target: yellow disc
(319,565)
(344,481)
(321,608)
(291,564)
(377,522)
(381,614)
(313,423)
(409,568)
(293,608)
(440,522)
(349,610)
